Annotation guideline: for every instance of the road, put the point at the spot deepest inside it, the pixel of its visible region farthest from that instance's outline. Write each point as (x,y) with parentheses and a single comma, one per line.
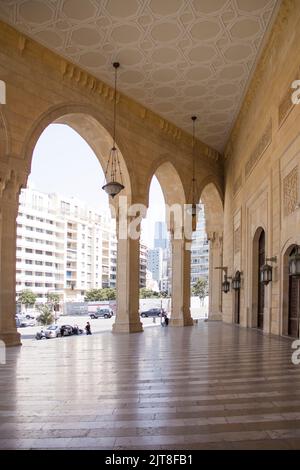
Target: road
(97,325)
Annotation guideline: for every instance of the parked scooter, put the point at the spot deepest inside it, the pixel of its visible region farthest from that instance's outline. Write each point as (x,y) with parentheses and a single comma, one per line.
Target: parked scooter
(40,335)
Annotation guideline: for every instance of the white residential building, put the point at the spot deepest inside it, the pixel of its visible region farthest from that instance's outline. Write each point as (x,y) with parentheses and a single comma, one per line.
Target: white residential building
(200,250)
(63,246)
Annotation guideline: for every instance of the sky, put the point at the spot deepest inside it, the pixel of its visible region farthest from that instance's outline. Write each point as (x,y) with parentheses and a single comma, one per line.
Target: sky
(64,163)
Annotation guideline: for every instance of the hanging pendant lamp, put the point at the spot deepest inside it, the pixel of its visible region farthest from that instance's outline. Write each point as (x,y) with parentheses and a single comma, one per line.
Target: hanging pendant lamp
(113,173)
(194,185)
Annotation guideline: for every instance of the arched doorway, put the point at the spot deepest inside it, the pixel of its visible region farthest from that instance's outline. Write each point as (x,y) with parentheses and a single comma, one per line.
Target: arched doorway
(214,222)
(175,199)
(90,128)
(259,256)
(291,297)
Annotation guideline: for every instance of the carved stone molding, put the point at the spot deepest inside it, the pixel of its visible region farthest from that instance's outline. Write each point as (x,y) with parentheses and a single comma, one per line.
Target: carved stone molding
(237,240)
(259,149)
(290,192)
(90,84)
(286,105)
(237,184)
(281,21)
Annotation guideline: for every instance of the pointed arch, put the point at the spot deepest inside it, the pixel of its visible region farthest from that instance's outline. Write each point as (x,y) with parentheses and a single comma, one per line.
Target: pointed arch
(90,125)
(169,180)
(213,205)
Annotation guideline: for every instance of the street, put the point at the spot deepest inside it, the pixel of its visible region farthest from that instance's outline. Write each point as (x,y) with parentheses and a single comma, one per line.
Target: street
(97,325)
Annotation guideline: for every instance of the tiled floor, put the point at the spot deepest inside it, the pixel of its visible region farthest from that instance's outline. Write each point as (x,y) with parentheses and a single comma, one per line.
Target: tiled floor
(211,386)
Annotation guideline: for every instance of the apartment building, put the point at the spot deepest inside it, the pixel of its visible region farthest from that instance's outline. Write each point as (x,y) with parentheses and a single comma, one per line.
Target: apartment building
(200,250)
(63,246)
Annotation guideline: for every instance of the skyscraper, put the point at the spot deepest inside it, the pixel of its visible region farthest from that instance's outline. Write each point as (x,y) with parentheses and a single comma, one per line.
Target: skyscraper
(160,235)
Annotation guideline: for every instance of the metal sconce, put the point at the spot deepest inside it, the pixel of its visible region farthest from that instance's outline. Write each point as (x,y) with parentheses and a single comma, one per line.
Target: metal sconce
(236,281)
(294,263)
(266,271)
(225,283)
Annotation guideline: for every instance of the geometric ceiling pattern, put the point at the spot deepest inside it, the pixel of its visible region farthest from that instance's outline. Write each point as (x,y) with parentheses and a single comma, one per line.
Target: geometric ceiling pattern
(178,57)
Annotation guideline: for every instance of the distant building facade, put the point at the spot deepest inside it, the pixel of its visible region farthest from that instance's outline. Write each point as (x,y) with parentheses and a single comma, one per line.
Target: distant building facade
(200,250)
(63,246)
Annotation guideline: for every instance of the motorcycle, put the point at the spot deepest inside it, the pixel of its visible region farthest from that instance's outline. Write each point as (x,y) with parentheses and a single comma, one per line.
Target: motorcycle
(40,335)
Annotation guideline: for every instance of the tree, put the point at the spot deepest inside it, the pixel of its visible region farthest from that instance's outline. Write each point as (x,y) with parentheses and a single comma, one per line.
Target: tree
(27,298)
(149,294)
(98,295)
(53,300)
(200,289)
(46,316)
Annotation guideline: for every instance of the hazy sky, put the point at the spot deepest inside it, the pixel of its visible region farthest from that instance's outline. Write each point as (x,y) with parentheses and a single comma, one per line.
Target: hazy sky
(63,162)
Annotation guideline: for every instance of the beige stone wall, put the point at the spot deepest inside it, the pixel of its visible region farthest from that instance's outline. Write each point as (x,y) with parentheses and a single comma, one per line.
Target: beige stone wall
(262,171)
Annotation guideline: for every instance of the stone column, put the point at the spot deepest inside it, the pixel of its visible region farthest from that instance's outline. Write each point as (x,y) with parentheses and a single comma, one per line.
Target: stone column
(8,212)
(128,283)
(215,276)
(181,279)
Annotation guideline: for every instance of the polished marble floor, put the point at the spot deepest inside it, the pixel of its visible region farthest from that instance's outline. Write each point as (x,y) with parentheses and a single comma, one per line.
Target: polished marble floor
(211,386)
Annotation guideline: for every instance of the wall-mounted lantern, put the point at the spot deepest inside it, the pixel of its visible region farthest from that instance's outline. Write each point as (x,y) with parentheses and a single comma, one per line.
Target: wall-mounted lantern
(225,283)
(236,281)
(294,262)
(266,271)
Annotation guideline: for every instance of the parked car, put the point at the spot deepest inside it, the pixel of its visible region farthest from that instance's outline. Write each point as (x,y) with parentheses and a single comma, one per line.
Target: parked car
(53,331)
(102,313)
(22,322)
(66,330)
(153,312)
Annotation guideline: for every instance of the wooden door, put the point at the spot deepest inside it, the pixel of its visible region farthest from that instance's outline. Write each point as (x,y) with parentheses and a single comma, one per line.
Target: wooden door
(294,299)
(261,287)
(237,306)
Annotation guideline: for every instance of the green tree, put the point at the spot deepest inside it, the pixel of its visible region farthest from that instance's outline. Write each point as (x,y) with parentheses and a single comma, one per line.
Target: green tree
(200,289)
(27,298)
(97,295)
(46,316)
(149,294)
(52,299)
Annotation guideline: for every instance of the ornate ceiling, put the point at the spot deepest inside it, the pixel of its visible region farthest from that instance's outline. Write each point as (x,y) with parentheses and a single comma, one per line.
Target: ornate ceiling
(178,57)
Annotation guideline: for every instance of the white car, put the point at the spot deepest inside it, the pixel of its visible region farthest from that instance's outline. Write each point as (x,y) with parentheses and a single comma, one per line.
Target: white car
(23,321)
(53,331)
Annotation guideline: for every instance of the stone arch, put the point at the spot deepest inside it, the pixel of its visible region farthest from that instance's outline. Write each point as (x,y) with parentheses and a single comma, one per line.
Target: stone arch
(170,181)
(211,197)
(90,124)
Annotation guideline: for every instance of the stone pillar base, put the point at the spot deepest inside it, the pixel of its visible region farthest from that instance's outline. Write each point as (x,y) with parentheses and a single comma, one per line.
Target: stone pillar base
(11,339)
(214,317)
(127,327)
(181,322)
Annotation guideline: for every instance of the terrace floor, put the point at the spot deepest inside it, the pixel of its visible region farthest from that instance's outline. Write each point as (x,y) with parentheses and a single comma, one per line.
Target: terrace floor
(211,386)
